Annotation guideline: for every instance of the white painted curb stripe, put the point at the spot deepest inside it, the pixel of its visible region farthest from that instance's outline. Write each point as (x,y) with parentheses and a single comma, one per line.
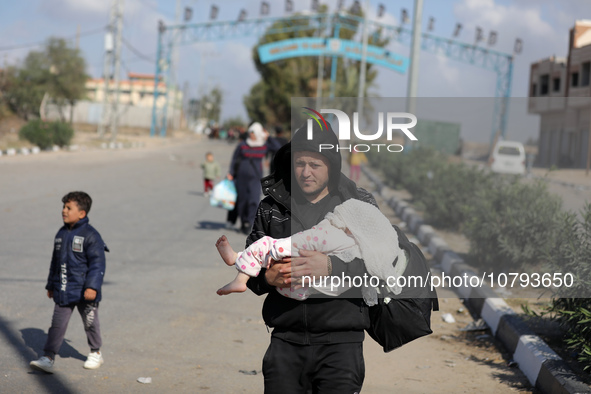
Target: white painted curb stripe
(449,259)
(407,213)
(400,207)
(530,354)
(424,231)
(492,311)
(437,244)
(414,222)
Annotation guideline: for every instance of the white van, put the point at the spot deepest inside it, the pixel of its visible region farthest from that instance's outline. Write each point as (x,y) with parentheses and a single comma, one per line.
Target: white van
(508,158)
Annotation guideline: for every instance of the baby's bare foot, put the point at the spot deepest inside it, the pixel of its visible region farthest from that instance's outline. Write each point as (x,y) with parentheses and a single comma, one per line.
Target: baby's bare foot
(225,250)
(233,287)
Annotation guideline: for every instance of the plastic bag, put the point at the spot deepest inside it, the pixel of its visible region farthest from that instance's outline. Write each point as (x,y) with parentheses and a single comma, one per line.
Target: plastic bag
(224,195)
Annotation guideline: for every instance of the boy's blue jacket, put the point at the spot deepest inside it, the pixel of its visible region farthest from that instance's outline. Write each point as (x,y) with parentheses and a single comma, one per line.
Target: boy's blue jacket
(78,263)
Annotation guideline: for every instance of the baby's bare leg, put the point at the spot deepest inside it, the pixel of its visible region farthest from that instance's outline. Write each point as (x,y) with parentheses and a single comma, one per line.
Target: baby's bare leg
(225,250)
(238,285)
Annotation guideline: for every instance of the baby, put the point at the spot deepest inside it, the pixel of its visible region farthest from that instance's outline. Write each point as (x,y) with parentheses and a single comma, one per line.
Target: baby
(354,230)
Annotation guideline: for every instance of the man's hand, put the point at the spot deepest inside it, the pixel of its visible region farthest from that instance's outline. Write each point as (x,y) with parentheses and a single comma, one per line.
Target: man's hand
(279,273)
(310,263)
(49,293)
(89,294)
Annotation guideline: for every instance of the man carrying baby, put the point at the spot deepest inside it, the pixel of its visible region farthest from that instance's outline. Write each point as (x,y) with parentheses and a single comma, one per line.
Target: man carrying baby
(316,344)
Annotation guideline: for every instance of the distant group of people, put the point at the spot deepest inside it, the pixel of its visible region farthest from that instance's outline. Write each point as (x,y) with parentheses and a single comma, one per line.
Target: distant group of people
(230,134)
(246,170)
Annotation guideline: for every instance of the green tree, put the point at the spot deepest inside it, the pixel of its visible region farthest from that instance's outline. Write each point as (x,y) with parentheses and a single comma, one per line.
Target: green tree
(269,99)
(25,86)
(67,69)
(58,70)
(211,105)
(235,121)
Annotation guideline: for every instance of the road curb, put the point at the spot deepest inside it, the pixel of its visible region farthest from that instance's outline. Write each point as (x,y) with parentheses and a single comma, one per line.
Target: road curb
(545,369)
(71,148)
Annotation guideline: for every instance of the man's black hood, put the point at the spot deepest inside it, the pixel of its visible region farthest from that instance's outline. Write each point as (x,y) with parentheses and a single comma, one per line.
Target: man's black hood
(282,165)
(321,137)
(299,142)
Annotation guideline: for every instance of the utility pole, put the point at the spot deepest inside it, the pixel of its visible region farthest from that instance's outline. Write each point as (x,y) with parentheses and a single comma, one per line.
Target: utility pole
(588,147)
(107,69)
(320,76)
(115,106)
(200,89)
(320,79)
(184,105)
(361,92)
(172,85)
(78,36)
(413,76)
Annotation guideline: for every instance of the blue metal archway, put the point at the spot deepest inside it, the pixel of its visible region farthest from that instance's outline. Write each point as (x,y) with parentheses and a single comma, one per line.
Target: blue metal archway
(500,63)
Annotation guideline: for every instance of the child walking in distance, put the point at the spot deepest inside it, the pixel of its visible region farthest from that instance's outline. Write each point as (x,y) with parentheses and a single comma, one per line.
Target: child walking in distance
(75,279)
(211,171)
(356,159)
(354,230)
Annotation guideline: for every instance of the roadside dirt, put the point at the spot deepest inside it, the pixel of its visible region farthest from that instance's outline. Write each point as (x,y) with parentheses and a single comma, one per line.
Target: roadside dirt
(543,325)
(86,136)
(449,351)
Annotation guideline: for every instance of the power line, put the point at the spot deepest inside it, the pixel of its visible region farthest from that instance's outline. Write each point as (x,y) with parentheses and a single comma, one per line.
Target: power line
(34,44)
(125,67)
(137,59)
(138,53)
(147,4)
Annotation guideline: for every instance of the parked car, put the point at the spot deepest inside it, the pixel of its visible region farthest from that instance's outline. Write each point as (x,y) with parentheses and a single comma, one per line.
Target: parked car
(508,158)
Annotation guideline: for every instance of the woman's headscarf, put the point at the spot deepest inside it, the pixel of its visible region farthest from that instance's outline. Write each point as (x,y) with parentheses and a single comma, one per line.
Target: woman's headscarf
(259,134)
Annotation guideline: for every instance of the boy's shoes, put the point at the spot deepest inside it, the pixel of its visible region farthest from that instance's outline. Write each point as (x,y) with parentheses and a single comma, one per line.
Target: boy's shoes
(94,360)
(44,364)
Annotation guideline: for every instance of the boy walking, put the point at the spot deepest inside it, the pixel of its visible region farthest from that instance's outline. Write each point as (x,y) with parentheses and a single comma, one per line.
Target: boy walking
(211,171)
(75,279)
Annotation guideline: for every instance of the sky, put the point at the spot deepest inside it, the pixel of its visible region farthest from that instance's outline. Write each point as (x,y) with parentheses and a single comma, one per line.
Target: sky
(543,26)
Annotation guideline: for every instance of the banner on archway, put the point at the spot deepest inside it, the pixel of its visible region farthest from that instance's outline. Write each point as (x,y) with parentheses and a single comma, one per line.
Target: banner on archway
(299,47)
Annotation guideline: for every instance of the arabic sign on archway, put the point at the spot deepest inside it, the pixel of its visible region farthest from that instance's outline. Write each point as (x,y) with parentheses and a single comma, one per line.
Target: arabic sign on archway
(297,47)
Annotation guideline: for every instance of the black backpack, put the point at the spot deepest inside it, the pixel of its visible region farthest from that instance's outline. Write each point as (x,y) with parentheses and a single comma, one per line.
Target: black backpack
(407,316)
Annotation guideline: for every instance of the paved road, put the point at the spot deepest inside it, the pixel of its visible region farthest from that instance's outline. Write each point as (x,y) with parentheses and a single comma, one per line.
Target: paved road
(573,187)
(574,198)
(160,315)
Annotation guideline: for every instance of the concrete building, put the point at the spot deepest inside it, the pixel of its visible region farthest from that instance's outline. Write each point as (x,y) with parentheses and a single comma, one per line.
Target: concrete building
(138,90)
(136,98)
(560,92)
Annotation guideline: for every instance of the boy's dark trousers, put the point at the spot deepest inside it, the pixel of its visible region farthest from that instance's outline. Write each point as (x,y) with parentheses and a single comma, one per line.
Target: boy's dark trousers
(59,324)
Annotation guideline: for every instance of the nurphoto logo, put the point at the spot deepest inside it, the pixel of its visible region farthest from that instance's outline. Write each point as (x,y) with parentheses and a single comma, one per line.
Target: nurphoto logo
(392,120)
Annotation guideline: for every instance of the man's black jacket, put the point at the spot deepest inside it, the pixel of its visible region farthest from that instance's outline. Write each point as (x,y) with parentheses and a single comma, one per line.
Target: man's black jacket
(319,320)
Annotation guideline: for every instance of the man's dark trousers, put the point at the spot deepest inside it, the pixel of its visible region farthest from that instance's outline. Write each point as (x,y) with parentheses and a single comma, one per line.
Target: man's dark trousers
(322,368)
